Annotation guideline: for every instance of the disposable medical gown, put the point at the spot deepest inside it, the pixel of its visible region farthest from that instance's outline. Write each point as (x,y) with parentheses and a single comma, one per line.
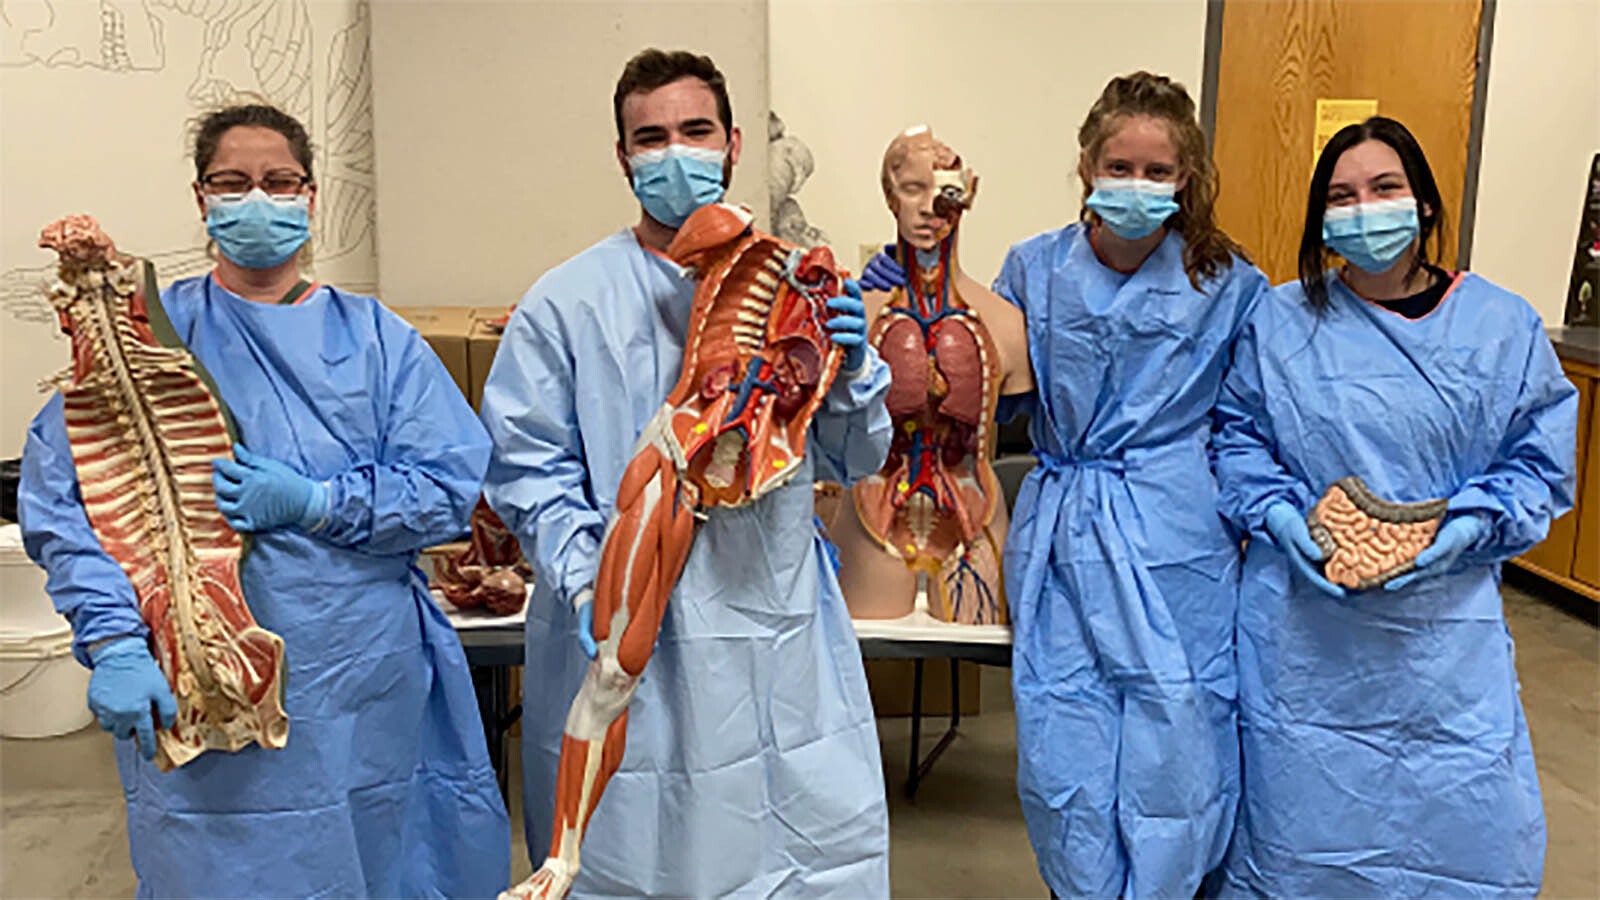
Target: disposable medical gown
(752,764)
(1120,574)
(385,787)
(1385,752)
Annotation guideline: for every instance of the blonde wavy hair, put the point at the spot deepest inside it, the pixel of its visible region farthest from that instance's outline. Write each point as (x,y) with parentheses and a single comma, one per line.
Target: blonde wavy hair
(1207,249)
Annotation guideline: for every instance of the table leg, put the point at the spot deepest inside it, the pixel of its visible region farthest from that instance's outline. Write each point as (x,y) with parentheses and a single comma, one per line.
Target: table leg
(490,684)
(913,770)
(922,765)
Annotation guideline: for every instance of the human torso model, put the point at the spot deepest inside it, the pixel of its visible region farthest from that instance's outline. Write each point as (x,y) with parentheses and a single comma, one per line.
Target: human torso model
(953,347)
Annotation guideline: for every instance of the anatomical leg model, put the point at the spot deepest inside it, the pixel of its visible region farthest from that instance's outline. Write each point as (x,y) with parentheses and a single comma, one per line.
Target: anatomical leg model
(1365,540)
(934,512)
(757,364)
(144,427)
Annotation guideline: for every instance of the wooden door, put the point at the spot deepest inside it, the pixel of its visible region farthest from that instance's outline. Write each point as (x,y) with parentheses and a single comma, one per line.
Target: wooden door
(1586,556)
(1417,59)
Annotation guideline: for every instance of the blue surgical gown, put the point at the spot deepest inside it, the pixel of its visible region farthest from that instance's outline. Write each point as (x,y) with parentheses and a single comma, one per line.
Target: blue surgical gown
(1385,753)
(1120,573)
(752,765)
(385,787)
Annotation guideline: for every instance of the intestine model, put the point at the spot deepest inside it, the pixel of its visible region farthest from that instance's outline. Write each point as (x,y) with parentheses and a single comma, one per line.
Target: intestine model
(934,512)
(144,425)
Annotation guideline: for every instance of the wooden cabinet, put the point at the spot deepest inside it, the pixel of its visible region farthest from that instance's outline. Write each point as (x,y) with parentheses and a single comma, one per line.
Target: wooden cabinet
(1570,556)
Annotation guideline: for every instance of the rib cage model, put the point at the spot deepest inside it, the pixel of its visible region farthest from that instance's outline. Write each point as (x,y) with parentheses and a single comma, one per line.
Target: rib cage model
(144,427)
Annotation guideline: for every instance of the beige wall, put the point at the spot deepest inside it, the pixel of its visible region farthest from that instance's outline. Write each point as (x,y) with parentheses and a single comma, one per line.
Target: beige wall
(1541,129)
(495,133)
(84,132)
(1005,84)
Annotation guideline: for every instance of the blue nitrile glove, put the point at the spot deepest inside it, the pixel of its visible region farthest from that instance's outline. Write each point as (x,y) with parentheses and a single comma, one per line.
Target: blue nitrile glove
(849,328)
(1457,535)
(259,494)
(883,273)
(585,603)
(1293,536)
(125,681)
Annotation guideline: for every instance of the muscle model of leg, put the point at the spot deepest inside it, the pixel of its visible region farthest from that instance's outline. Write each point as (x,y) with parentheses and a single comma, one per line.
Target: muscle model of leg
(643,554)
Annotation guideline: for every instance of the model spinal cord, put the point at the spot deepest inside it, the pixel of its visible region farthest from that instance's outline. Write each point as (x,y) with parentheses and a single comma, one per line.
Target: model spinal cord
(757,364)
(144,428)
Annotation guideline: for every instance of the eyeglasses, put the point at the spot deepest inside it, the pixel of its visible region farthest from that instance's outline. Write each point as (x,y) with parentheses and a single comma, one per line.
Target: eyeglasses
(275,183)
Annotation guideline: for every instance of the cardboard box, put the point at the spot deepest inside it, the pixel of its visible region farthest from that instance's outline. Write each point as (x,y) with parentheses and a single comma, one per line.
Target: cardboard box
(445,328)
(889,681)
(483,342)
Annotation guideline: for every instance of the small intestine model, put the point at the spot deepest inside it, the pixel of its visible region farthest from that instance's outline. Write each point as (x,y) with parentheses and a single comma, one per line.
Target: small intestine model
(934,512)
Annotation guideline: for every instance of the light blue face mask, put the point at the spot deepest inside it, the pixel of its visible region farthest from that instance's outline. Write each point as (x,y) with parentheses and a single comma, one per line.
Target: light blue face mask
(676,180)
(1133,208)
(1372,236)
(257,230)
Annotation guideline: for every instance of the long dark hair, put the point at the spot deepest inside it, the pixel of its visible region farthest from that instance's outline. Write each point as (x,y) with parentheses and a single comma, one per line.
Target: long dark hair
(1207,249)
(1314,255)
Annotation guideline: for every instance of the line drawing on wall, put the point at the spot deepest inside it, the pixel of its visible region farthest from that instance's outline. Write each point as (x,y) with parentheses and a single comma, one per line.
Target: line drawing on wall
(249,50)
(789,166)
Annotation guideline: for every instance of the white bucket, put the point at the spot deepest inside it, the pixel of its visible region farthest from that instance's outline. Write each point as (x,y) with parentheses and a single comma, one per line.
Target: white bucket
(42,688)
(25,608)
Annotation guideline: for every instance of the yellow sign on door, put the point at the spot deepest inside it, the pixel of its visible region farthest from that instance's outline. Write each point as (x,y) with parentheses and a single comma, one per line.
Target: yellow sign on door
(1333,115)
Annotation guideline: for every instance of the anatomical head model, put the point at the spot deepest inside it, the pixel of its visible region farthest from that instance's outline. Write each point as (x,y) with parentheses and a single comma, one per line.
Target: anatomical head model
(144,424)
(934,511)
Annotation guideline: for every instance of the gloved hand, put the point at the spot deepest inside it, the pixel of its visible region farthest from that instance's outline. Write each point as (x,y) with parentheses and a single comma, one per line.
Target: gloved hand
(883,272)
(259,494)
(1289,530)
(849,328)
(1458,533)
(585,604)
(125,681)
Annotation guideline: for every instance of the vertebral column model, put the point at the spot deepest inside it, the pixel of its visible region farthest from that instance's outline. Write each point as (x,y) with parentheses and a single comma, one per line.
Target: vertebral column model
(144,427)
(757,364)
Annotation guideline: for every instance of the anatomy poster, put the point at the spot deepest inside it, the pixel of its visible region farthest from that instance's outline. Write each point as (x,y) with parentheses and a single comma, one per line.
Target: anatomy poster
(101,97)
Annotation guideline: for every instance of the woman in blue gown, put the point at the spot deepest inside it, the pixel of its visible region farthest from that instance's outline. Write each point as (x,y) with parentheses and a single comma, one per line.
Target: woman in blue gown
(1384,748)
(358,450)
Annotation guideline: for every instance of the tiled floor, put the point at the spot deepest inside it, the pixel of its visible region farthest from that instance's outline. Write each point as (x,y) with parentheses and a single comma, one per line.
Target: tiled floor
(62,833)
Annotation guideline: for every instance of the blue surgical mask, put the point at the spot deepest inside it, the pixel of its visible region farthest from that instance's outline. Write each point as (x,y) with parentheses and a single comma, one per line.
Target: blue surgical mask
(1372,236)
(1133,208)
(257,230)
(676,180)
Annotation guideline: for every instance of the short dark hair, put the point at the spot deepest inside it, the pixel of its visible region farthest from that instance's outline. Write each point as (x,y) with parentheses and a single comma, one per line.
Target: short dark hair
(1430,206)
(208,134)
(652,68)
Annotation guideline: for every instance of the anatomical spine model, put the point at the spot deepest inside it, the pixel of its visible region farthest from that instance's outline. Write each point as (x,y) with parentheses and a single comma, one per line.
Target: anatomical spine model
(1366,540)
(757,363)
(144,426)
(935,509)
